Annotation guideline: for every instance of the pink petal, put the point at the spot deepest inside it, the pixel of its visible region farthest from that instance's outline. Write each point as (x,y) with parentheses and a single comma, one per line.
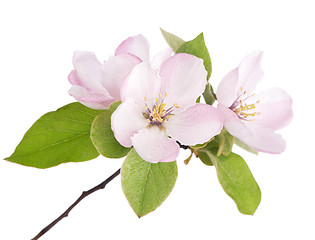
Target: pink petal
(226,92)
(154,146)
(73,78)
(183,79)
(90,99)
(240,80)
(137,45)
(161,57)
(196,125)
(233,124)
(143,83)
(88,70)
(274,107)
(250,72)
(264,139)
(126,121)
(115,71)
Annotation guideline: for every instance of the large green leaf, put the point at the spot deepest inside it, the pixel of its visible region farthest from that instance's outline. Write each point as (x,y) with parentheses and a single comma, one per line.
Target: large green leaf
(146,185)
(197,47)
(103,136)
(58,137)
(237,181)
(173,41)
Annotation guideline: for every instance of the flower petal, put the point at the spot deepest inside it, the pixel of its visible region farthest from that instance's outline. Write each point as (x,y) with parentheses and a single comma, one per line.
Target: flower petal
(233,124)
(264,139)
(274,107)
(250,72)
(226,92)
(90,99)
(154,146)
(184,79)
(88,70)
(73,78)
(115,71)
(142,83)
(196,125)
(137,45)
(161,57)
(126,121)
(242,79)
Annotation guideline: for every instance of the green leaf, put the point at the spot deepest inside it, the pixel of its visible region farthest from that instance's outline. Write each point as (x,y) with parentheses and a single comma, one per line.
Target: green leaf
(244,146)
(197,47)
(146,185)
(103,137)
(237,181)
(203,155)
(173,41)
(58,137)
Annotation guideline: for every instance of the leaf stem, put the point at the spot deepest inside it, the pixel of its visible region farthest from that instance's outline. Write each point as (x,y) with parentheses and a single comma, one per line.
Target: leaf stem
(83,195)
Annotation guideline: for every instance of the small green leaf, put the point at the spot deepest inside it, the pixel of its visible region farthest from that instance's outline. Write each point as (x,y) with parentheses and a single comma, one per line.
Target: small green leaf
(173,41)
(197,47)
(237,181)
(204,156)
(58,137)
(103,137)
(146,185)
(244,146)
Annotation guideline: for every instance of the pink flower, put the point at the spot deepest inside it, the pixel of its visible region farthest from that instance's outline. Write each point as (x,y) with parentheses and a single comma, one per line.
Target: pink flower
(249,117)
(97,85)
(159,108)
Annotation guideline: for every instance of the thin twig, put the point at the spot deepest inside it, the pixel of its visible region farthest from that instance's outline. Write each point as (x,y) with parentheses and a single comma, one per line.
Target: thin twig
(83,195)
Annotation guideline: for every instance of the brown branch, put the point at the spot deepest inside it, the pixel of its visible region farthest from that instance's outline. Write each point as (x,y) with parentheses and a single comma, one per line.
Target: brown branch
(83,195)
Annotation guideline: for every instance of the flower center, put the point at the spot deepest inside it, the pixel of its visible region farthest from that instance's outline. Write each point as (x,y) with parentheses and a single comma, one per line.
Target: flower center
(158,113)
(243,110)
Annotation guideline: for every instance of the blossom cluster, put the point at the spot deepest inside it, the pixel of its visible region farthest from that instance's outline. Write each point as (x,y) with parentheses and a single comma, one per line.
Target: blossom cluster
(159,108)
(145,109)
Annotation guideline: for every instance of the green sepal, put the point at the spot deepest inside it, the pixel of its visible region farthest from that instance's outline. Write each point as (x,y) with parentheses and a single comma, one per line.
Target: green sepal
(220,144)
(58,137)
(225,143)
(146,185)
(197,47)
(103,137)
(209,95)
(173,41)
(237,181)
(244,146)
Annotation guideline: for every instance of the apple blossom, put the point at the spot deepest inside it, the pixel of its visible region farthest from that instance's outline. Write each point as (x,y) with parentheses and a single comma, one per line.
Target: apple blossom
(253,118)
(97,85)
(159,108)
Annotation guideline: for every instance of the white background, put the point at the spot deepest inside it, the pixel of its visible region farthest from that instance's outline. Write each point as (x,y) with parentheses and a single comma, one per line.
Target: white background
(37,39)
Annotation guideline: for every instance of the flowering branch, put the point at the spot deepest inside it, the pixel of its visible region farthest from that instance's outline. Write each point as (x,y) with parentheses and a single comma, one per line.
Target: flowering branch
(83,195)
